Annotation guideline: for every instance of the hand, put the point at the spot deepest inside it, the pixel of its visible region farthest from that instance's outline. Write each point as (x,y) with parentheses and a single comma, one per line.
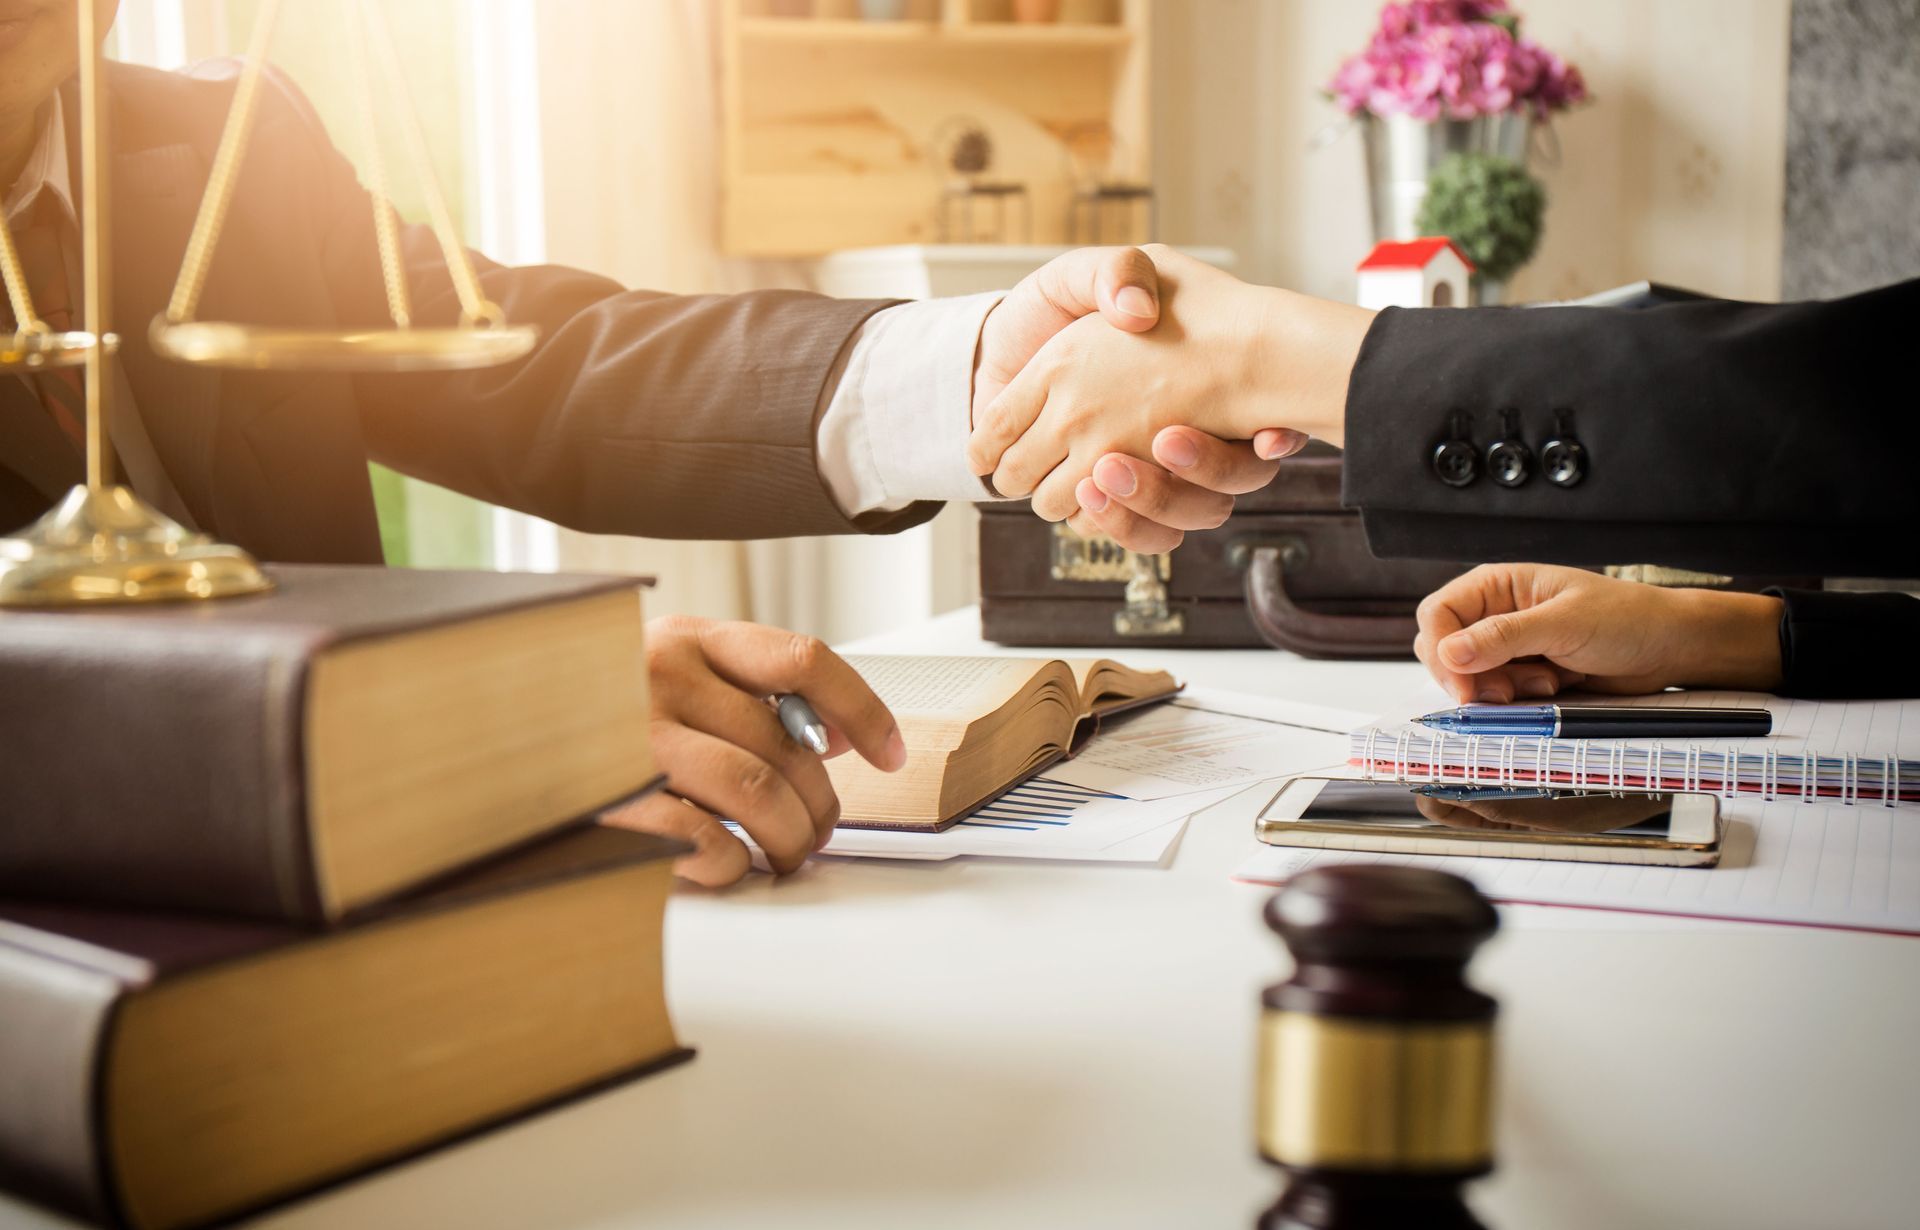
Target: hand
(1506,631)
(1227,358)
(1122,286)
(1149,509)
(726,754)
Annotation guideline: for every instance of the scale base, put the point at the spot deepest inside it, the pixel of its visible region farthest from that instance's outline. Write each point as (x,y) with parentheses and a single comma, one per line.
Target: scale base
(106,547)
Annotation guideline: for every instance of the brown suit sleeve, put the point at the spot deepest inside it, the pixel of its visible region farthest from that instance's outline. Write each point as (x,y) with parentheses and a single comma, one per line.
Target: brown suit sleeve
(666,416)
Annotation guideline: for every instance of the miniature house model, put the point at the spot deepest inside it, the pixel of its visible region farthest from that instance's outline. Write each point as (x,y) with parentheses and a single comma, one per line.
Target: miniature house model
(1417,273)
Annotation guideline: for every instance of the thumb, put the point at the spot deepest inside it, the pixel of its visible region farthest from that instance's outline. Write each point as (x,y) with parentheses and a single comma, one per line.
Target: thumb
(1121,284)
(1499,639)
(1126,289)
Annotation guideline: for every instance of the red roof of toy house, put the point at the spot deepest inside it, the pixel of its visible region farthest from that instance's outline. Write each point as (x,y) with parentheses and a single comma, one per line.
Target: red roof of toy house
(1413,254)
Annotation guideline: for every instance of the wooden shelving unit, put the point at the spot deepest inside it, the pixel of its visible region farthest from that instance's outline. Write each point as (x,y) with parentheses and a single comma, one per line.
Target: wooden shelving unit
(830,120)
(836,30)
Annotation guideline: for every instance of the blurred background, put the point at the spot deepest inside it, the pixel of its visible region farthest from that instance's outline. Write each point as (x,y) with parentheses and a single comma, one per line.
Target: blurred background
(1744,148)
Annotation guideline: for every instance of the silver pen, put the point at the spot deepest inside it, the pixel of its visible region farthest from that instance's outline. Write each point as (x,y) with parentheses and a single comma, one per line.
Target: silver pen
(803,725)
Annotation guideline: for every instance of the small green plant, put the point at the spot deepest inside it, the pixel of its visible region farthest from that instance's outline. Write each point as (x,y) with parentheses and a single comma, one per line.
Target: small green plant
(1488,205)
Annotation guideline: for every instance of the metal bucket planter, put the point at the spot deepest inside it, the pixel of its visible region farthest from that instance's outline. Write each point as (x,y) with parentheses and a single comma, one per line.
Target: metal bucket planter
(1402,152)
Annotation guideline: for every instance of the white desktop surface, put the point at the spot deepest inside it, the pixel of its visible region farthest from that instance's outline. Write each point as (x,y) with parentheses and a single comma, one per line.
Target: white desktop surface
(977,1043)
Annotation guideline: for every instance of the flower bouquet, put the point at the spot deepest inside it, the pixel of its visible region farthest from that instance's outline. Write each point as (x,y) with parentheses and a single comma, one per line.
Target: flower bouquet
(1443,77)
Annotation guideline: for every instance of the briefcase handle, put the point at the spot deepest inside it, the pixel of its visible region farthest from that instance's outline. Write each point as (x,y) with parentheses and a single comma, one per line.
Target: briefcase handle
(1285,624)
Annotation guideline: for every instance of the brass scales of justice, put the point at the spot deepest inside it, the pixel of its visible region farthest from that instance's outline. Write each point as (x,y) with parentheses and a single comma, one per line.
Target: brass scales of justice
(103,544)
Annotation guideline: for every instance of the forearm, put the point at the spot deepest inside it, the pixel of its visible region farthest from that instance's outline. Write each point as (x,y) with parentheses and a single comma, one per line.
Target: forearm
(1300,364)
(1730,640)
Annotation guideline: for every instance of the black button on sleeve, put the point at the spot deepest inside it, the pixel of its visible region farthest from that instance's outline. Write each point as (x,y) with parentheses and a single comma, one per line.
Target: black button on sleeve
(1456,463)
(1509,463)
(1565,461)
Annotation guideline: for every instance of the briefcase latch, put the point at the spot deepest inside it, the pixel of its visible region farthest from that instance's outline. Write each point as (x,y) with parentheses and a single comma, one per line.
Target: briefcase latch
(1101,559)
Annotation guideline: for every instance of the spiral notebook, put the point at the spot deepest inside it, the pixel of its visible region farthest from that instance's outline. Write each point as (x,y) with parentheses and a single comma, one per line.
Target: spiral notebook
(1854,752)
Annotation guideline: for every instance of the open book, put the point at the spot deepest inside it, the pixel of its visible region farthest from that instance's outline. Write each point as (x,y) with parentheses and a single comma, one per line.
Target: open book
(976,727)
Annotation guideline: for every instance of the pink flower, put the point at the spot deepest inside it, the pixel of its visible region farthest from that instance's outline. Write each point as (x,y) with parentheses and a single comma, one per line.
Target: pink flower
(1457,58)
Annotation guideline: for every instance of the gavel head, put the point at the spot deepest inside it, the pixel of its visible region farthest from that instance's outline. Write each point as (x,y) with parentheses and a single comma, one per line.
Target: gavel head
(1381,944)
(1376,1057)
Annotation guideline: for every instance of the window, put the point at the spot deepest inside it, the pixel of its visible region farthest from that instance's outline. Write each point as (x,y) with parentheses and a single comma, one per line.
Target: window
(420,524)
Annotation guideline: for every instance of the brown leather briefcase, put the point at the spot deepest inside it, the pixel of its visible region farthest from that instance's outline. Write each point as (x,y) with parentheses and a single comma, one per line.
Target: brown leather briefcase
(1290,568)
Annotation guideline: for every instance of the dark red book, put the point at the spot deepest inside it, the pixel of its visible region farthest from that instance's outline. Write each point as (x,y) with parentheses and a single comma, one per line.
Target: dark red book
(161,1070)
(305,754)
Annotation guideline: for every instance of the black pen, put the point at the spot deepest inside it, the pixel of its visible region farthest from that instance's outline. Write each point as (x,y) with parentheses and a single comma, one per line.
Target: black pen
(1600,721)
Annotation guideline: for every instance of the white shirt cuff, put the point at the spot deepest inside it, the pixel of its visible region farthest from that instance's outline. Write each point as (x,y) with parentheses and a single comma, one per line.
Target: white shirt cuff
(897,420)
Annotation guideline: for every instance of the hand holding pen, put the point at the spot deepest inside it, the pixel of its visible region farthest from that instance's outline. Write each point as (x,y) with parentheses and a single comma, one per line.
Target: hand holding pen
(801,723)
(727,753)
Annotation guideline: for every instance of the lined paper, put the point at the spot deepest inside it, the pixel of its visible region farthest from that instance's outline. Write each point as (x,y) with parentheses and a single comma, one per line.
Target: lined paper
(1815,864)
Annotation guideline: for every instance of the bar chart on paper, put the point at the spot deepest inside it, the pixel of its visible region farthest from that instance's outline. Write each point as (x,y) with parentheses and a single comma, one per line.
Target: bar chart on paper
(1049,819)
(1036,806)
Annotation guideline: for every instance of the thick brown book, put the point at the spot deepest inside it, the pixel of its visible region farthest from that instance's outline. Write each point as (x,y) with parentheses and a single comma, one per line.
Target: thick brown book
(976,727)
(306,753)
(162,1070)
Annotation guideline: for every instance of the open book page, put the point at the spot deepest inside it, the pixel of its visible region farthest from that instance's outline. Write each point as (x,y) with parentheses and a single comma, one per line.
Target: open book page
(1103,683)
(944,687)
(968,733)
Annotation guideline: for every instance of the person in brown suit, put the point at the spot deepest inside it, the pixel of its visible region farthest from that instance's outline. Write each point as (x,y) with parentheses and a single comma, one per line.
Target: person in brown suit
(638,413)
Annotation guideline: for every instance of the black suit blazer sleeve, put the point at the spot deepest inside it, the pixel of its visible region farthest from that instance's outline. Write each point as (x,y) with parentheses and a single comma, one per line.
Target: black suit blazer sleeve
(667,416)
(1731,437)
(1849,645)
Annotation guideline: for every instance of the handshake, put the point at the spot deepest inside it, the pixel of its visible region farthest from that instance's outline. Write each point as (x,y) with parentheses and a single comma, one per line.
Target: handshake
(1135,391)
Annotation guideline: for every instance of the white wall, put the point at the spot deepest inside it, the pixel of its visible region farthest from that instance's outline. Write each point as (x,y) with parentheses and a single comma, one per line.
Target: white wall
(1675,171)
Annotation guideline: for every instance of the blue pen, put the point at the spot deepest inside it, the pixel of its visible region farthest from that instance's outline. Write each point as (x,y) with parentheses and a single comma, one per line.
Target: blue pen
(1600,721)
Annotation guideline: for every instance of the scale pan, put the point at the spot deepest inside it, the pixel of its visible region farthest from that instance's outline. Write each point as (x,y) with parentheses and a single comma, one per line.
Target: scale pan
(32,352)
(215,344)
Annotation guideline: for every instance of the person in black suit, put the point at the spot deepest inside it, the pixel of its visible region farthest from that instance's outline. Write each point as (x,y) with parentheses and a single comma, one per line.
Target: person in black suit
(1712,435)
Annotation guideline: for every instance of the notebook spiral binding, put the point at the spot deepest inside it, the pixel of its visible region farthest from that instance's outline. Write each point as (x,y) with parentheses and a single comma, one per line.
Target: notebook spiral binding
(1430,757)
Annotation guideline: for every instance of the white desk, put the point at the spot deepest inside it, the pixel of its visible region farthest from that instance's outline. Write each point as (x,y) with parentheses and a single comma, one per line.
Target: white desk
(975,1043)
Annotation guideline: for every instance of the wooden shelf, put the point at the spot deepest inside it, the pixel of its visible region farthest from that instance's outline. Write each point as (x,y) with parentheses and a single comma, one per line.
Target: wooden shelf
(819,32)
(837,130)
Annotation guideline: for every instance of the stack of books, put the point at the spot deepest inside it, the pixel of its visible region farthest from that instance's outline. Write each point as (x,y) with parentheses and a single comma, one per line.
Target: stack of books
(292,886)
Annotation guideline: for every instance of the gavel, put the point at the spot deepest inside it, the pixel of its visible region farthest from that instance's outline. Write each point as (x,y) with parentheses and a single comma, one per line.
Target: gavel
(1376,1057)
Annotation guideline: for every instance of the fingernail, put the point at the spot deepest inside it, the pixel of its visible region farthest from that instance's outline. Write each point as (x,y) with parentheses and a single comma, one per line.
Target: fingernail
(1178,451)
(1272,446)
(1090,496)
(896,751)
(1115,476)
(1135,302)
(1487,696)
